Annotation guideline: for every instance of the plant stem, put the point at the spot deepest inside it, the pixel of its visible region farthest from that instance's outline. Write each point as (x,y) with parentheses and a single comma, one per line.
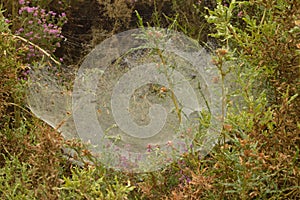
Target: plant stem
(173,97)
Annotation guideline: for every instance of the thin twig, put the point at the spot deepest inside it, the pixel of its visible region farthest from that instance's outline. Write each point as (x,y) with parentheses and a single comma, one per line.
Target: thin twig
(36,46)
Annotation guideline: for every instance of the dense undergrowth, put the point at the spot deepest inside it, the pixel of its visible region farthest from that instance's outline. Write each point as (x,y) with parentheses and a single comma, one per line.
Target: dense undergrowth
(260,160)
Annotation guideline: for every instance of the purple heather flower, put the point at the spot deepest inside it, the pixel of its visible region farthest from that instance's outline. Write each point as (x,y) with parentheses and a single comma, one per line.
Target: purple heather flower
(29,34)
(21,2)
(30,9)
(240,14)
(149,148)
(53,31)
(52,13)
(188,180)
(20,11)
(26,72)
(181,162)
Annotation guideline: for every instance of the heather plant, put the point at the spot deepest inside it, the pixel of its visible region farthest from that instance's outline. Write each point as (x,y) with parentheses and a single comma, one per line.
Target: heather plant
(35,37)
(29,153)
(10,68)
(40,27)
(32,165)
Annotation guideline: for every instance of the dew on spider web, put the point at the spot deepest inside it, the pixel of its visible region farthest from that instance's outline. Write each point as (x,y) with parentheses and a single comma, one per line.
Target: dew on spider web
(119,94)
(49,97)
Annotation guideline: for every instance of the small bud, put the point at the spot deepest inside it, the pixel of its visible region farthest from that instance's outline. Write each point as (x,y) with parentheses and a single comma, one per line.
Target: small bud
(163,89)
(222,52)
(214,61)
(228,127)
